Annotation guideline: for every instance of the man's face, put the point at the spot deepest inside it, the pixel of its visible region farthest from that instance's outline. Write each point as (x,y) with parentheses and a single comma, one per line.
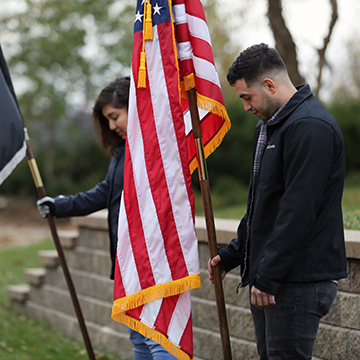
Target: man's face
(259,100)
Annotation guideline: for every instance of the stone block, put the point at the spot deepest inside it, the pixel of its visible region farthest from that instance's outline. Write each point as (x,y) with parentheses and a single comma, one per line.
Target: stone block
(68,238)
(89,260)
(353,337)
(344,284)
(354,275)
(240,298)
(49,258)
(206,290)
(338,347)
(204,313)
(204,254)
(349,310)
(97,286)
(352,243)
(225,229)
(243,350)
(35,277)
(207,344)
(331,343)
(18,293)
(229,284)
(55,276)
(96,220)
(333,317)
(240,324)
(94,238)
(116,342)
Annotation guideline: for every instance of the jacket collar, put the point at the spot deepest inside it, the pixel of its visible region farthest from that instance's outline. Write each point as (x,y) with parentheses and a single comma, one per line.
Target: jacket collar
(303,92)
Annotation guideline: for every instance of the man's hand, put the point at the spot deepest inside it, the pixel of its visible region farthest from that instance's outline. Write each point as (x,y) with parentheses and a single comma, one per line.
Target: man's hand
(260,299)
(214,262)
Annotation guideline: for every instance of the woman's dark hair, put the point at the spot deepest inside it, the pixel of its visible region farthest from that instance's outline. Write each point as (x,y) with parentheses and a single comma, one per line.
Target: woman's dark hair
(115,94)
(255,62)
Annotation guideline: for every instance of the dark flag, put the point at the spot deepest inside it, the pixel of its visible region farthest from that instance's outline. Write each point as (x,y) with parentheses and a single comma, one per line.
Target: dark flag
(12,129)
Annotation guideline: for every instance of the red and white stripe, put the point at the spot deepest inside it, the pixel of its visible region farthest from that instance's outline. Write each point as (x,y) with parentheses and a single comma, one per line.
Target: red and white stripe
(195,56)
(157,242)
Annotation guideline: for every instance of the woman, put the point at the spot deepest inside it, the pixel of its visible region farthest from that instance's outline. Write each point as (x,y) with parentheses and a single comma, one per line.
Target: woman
(110,118)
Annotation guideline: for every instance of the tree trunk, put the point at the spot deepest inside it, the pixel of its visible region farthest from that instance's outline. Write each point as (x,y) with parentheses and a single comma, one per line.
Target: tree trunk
(322,61)
(284,43)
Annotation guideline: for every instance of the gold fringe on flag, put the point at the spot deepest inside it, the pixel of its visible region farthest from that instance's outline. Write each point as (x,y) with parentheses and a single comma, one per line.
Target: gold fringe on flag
(189,82)
(156,292)
(151,334)
(148,30)
(214,107)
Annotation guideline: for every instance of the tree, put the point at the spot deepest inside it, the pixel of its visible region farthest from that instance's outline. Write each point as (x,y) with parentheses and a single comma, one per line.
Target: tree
(322,61)
(286,47)
(61,53)
(283,40)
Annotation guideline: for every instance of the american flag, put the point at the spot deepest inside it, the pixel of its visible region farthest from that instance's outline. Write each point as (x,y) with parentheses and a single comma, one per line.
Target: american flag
(12,130)
(197,70)
(157,257)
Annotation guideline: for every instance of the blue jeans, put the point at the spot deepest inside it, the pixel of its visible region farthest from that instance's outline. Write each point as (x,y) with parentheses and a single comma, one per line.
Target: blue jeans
(146,349)
(288,329)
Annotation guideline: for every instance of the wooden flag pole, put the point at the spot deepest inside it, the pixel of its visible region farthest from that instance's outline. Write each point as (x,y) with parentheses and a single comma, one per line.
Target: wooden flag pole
(41,192)
(210,225)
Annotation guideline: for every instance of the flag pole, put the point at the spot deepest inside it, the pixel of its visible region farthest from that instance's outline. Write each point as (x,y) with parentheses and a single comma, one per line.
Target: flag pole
(41,192)
(210,225)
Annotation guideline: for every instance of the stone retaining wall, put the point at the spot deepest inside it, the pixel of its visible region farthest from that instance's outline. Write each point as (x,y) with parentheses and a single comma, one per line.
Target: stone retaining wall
(46,297)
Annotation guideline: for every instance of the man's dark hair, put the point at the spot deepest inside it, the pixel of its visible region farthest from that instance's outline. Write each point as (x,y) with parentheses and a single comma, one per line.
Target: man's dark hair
(254,62)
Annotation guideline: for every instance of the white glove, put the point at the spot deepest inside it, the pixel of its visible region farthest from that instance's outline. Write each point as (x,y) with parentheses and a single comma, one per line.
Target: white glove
(46,206)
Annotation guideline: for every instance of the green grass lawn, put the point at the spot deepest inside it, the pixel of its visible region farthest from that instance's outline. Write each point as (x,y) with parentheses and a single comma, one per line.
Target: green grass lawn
(25,338)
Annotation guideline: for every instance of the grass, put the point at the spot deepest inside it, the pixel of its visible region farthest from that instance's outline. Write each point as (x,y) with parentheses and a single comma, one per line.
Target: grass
(26,338)
(351,207)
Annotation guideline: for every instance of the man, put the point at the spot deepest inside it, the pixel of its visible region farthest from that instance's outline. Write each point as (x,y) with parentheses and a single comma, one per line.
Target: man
(290,244)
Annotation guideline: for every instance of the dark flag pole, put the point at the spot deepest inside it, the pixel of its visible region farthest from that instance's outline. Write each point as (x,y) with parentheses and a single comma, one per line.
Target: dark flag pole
(210,225)
(41,192)
(13,145)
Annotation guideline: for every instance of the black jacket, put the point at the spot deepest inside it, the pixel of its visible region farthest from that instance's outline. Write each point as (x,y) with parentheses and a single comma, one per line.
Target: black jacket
(296,227)
(106,194)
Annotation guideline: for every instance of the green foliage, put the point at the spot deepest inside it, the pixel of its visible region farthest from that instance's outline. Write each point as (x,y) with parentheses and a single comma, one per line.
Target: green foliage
(78,164)
(60,55)
(25,338)
(229,167)
(347,114)
(234,156)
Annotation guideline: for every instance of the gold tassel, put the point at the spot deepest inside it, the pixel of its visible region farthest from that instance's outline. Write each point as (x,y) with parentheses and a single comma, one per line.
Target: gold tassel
(142,71)
(148,30)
